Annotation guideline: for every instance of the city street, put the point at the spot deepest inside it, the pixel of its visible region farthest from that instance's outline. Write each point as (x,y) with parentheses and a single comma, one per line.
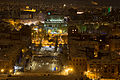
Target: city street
(41,76)
(38,78)
(44,60)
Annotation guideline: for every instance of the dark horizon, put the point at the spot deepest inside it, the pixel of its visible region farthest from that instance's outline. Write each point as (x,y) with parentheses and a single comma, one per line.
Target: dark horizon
(81,3)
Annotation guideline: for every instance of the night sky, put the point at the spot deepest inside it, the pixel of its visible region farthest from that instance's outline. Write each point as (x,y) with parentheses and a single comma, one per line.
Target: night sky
(114,3)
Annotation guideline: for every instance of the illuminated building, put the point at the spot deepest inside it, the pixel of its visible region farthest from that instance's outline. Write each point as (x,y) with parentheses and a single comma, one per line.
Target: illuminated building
(85,44)
(114,44)
(102,68)
(11,43)
(79,64)
(54,23)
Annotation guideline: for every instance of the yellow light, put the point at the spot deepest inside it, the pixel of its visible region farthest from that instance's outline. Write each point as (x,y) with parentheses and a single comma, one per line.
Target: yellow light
(49,31)
(17,73)
(40,30)
(33,42)
(71,69)
(31,33)
(95,54)
(23,50)
(88,71)
(107,45)
(27,7)
(33,10)
(64,5)
(100,40)
(66,70)
(60,31)
(56,68)
(2,70)
(40,11)
(10,70)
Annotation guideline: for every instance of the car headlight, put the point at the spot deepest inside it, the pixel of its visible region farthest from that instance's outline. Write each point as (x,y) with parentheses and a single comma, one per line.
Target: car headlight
(2,70)
(10,70)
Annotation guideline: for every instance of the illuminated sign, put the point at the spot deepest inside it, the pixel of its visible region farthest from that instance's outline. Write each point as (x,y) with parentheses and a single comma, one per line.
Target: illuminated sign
(33,10)
(80,12)
(49,13)
(55,68)
(55,20)
(109,9)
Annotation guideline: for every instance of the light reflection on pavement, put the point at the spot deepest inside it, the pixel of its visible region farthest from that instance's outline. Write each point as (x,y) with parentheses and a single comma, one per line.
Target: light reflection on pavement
(44,60)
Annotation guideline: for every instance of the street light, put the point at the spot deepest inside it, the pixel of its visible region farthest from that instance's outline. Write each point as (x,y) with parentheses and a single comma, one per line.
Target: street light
(68,70)
(10,70)
(49,31)
(91,75)
(2,70)
(60,31)
(64,5)
(100,40)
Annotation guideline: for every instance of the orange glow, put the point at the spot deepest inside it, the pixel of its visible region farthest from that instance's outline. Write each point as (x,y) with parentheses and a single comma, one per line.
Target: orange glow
(33,10)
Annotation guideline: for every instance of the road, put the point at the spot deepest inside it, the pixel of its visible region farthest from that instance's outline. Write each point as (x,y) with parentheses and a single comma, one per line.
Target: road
(37,76)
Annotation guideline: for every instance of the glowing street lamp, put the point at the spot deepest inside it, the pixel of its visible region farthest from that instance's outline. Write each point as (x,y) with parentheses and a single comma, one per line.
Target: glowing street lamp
(10,70)
(68,70)
(100,40)
(64,5)
(2,70)
(60,31)
(49,31)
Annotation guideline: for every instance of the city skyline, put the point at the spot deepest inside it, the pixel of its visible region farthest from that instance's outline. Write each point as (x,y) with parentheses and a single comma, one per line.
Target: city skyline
(59,40)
